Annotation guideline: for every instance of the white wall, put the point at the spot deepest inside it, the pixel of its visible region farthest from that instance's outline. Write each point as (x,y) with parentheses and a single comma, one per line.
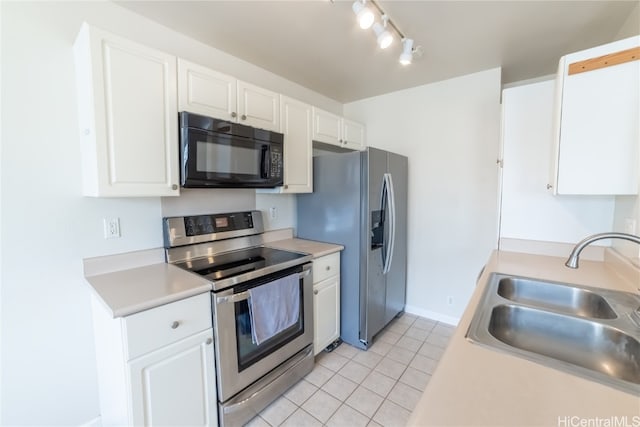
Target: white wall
(47,228)
(529,211)
(450,131)
(628,207)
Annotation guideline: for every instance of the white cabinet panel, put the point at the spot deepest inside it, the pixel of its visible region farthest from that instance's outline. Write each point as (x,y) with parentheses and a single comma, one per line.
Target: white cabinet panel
(205,91)
(327,127)
(326,311)
(202,90)
(326,301)
(258,107)
(335,130)
(150,373)
(353,134)
(175,385)
(598,132)
(298,156)
(169,323)
(127,99)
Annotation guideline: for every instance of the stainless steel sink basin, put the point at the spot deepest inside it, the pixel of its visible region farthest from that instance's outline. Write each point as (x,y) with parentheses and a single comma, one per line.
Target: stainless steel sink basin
(567,299)
(597,347)
(584,331)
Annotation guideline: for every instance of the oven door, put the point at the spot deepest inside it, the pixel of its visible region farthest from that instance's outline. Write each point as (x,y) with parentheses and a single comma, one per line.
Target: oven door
(239,361)
(212,159)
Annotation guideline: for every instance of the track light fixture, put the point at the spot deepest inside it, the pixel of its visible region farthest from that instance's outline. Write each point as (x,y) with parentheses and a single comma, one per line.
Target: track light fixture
(364,15)
(406,57)
(384,35)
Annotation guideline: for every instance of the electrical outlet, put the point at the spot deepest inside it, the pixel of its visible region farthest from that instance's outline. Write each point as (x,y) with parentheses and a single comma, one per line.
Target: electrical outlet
(273,213)
(111,228)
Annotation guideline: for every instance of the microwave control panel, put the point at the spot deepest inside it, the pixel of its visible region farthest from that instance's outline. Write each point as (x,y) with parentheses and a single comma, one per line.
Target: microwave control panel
(276,162)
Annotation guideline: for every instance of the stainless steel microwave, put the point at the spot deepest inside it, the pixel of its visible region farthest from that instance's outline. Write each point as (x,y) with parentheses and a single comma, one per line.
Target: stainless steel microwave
(221,154)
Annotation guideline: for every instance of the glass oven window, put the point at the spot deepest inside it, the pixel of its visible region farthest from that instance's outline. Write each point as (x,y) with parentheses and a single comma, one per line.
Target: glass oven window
(248,352)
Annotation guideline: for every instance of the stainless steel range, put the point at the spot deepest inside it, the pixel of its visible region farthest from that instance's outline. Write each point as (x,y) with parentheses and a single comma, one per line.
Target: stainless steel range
(262,307)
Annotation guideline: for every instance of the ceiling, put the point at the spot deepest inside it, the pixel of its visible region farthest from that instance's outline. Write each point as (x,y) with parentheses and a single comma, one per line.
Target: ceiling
(317,43)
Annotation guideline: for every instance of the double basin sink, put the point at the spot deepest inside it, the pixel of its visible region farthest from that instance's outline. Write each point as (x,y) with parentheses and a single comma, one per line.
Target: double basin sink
(590,332)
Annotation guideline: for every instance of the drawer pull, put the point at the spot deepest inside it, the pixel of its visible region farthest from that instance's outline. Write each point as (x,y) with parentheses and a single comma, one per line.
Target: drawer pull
(175,324)
(315,292)
(209,341)
(327,268)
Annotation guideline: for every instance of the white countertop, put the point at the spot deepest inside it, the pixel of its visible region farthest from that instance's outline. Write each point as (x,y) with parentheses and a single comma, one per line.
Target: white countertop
(477,386)
(131,290)
(317,249)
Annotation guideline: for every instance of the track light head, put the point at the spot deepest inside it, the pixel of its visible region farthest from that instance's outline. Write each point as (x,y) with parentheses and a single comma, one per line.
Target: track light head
(364,15)
(385,38)
(406,57)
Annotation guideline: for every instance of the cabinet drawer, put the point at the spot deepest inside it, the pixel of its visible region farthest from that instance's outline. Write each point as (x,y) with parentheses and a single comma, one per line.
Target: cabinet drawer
(157,327)
(326,266)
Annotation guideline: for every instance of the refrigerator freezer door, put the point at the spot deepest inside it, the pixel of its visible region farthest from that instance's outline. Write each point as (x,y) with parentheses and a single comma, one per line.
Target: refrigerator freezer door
(373,286)
(396,278)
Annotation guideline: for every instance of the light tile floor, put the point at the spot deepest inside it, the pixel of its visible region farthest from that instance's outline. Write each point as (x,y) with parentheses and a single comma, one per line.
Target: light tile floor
(378,387)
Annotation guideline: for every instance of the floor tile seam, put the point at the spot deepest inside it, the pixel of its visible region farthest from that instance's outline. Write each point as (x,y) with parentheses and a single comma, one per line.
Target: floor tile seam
(316,418)
(409,385)
(365,415)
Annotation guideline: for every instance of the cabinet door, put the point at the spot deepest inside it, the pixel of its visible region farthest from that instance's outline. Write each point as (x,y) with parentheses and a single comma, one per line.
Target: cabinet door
(258,107)
(127,99)
(326,313)
(353,135)
(298,155)
(207,92)
(327,127)
(175,385)
(598,150)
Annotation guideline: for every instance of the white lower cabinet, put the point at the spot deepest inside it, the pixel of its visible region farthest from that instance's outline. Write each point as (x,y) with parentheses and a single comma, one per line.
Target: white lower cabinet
(326,301)
(157,367)
(175,385)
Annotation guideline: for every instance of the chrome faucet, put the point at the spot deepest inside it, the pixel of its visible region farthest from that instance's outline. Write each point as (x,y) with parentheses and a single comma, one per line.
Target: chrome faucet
(572,261)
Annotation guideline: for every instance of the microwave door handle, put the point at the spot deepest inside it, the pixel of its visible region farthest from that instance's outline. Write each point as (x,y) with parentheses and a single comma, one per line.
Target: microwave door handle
(264,162)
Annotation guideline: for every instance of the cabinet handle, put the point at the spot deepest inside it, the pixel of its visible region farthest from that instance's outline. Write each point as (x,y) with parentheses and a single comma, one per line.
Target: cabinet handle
(174,187)
(175,324)
(315,292)
(234,114)
(549,186)
(327,268)
(209,341)
(243,117)
(286,186)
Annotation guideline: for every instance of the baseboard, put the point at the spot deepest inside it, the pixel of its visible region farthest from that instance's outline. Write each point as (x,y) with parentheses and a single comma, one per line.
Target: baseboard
(96,422)
(449,320)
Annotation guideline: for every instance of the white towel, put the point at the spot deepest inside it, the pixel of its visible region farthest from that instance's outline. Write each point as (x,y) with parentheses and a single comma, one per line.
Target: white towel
(273,307)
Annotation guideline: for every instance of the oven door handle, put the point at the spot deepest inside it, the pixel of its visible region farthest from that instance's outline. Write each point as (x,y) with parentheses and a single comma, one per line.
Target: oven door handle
(242,296)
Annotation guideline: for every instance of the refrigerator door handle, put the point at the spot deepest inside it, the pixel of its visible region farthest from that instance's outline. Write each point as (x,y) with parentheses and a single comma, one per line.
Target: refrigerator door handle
(388,187)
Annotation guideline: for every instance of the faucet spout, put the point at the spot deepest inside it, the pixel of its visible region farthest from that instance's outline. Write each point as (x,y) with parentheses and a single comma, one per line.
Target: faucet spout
(572,261)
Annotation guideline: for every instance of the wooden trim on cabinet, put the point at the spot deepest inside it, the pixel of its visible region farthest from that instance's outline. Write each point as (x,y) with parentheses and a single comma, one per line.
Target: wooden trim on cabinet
(604,61)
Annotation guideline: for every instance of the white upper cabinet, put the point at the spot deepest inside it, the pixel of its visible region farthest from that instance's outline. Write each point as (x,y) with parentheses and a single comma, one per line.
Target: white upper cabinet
(296,123)
(353,134)
(258,107)
(335,130)
(127,105)
(327,127)
(207,92)
(202,90)
(597,137)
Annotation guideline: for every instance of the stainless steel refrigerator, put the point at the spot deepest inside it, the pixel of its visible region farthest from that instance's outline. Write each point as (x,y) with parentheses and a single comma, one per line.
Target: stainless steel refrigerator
(359,200)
